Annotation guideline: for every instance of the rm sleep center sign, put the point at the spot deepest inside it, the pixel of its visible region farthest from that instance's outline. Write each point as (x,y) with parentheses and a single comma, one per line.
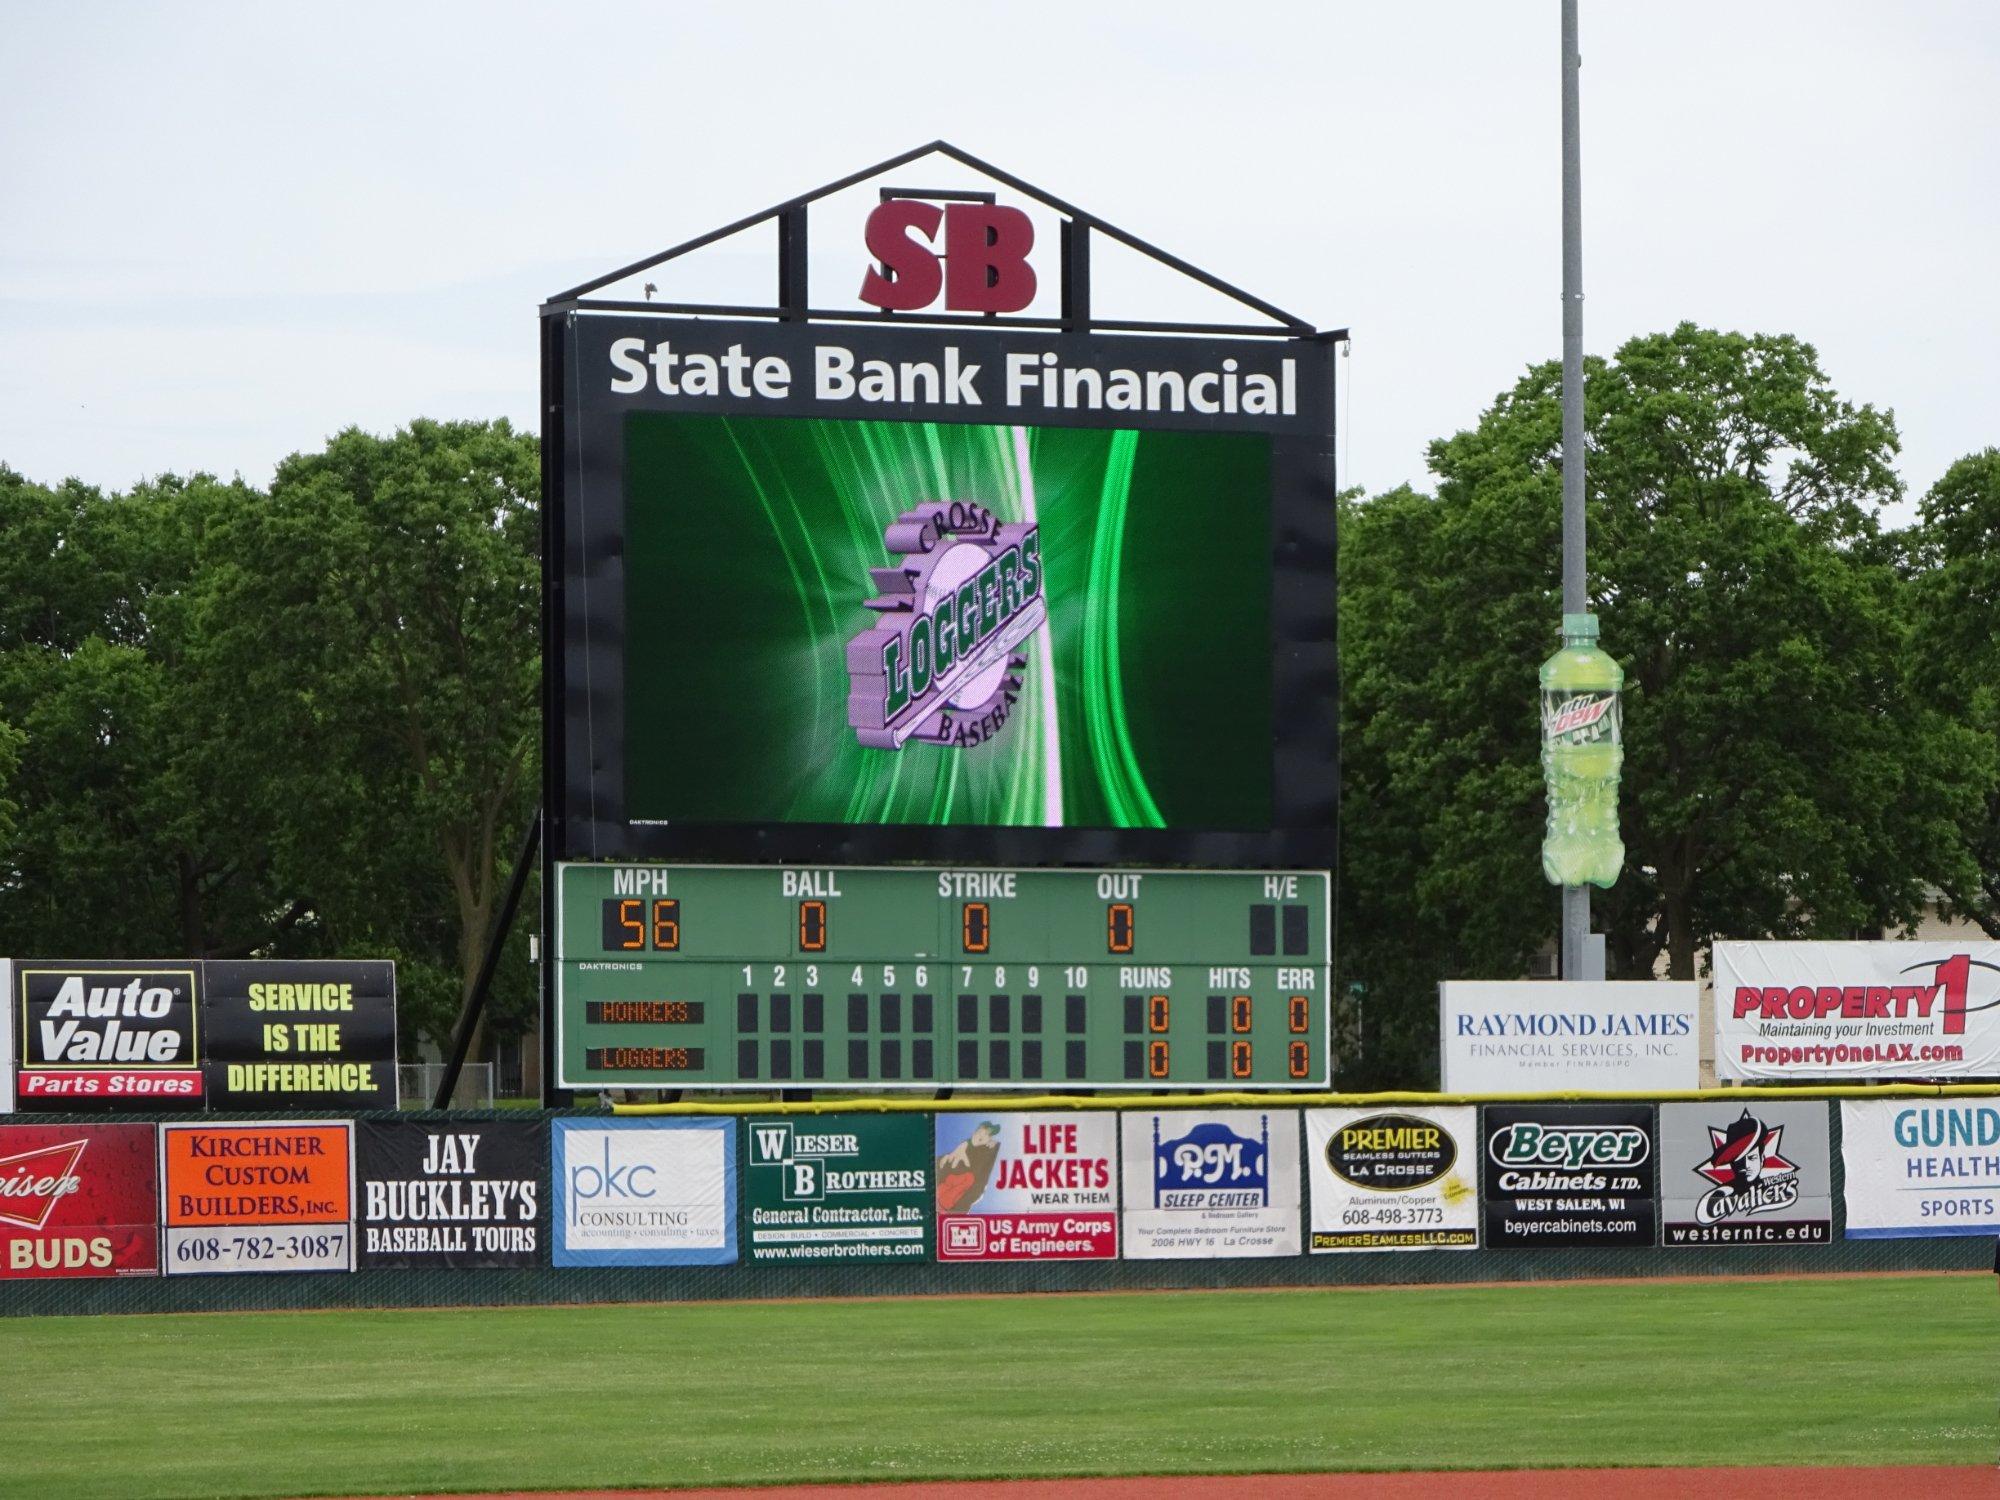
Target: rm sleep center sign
(877,622)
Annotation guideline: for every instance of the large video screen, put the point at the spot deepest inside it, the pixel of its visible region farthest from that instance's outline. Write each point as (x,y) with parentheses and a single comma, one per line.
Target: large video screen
(879,593)
(838,621)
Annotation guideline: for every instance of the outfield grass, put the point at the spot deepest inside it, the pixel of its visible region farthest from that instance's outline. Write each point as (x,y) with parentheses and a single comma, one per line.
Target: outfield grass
(1823,1372)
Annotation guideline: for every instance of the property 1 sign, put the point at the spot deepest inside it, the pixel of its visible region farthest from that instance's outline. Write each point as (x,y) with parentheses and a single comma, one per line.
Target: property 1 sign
(837,1187)
(1920,1167)
(1737,1174)
(1508,1037)
(1393,1179)
(1210,1184)
(1857,1010)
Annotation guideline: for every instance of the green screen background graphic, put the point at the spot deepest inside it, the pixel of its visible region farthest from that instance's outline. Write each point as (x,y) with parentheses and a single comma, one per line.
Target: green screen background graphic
(748,545)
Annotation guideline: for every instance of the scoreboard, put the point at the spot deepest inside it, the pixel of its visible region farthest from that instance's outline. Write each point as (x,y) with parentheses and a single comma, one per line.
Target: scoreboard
(703,976)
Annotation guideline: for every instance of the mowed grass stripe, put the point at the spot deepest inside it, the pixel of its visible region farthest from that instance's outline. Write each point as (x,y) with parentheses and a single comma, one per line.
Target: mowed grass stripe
(1896,1371)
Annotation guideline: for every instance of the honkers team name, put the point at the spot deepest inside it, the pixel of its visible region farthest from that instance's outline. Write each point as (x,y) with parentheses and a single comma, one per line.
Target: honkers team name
(1027,381)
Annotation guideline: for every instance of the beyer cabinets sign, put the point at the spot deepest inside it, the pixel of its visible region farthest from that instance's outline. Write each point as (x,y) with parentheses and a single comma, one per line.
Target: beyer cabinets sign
(99,1031)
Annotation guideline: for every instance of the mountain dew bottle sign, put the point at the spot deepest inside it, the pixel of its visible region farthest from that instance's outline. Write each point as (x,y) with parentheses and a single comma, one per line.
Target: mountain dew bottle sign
(1581,758)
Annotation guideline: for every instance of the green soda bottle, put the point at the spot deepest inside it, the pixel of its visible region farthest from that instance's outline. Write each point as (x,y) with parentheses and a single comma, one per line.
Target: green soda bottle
(1581,759)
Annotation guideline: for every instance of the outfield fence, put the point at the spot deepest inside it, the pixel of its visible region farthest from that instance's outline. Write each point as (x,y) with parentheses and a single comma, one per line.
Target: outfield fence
(890,1197)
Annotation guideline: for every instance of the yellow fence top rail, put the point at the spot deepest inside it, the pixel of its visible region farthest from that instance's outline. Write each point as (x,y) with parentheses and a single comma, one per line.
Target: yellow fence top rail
(993,1102)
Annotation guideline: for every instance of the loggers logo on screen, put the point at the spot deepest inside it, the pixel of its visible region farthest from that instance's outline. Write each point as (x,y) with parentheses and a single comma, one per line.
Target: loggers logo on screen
(1749,1174)
(103,1033)
(1212,1167)
(941,666)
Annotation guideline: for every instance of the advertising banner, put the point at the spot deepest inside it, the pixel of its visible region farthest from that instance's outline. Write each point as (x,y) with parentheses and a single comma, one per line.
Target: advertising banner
(257,1197)
(837,1187)
(1210,1184)
(108,1035)
(1402,1179)
(1921,1167)
(299,1035)
(462,1195)
(1026,1186)
(1529,1037)
(1568,1174)
(1857,1010)
(79,1200)
(1755,1174)
(643,1192)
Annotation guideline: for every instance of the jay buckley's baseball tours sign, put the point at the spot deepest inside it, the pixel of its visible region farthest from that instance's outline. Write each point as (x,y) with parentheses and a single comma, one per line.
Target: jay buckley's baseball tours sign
(1857,1010)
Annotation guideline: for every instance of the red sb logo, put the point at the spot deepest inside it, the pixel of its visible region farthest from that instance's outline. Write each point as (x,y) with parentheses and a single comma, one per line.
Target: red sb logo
(984,266)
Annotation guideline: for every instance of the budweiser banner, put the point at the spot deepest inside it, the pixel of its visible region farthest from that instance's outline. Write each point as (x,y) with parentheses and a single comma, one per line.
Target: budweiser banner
(78,1200)
(1857,1010)
(108,1035)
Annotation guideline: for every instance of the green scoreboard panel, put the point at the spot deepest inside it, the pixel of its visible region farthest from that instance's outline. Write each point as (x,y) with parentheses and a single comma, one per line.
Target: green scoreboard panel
(683,976)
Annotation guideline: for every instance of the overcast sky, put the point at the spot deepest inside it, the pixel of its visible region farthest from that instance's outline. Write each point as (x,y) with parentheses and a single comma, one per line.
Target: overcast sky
(227,231)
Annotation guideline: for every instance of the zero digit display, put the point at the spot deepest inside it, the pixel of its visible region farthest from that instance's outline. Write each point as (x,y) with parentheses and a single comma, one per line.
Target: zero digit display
(888,978)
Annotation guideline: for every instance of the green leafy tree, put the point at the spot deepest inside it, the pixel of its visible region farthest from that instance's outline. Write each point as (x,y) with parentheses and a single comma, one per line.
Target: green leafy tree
(1955,650)
(378,615)
(1781,776)
(123,840)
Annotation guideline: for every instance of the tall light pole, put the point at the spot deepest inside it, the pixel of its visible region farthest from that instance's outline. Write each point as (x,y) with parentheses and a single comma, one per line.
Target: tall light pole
(1575,600)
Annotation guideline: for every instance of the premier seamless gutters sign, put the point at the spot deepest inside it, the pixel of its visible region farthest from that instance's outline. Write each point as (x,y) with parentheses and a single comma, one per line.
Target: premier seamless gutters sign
(1857,1010)
(1531,1037)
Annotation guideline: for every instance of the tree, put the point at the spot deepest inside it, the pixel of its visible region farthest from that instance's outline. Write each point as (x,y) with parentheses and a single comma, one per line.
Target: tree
(379,617)
(1955,647)
(1781,777)
(120,847)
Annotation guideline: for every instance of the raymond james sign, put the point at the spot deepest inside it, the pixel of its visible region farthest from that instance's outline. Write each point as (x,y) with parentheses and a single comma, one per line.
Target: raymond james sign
(1507,1037)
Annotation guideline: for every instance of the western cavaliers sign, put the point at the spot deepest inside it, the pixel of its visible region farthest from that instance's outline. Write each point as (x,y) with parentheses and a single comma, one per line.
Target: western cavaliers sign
(941,665)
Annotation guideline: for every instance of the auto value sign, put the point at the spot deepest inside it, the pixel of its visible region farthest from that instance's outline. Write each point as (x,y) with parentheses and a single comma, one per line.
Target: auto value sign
(117,1034)
(1857,1010)
(1921,1167)
(1568,1174)
(837,1187)
(1752,1174)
